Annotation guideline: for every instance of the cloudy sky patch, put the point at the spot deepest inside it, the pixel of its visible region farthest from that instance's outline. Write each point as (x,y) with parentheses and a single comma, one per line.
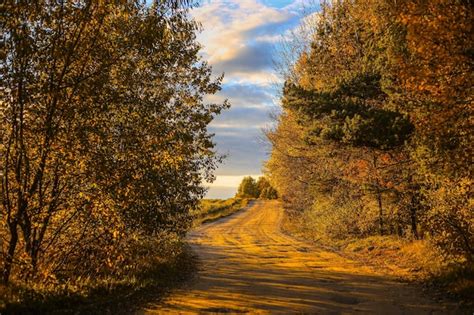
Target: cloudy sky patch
(239,39)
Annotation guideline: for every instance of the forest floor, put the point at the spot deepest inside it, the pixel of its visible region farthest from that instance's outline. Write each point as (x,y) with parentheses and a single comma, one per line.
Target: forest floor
(248,265)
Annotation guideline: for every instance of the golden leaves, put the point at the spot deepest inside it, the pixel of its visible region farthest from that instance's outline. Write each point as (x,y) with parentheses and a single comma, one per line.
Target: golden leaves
(419,54)
(107,138)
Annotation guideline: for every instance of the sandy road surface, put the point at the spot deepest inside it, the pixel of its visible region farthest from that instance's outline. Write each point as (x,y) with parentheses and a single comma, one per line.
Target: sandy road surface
(249,266)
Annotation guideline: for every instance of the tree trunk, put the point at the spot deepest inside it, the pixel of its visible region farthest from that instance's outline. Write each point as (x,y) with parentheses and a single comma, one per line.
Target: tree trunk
(399,225)
(413,221)
(379,200)
(7,267)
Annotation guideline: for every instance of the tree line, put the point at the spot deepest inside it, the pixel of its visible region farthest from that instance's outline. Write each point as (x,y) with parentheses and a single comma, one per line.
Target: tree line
(261,188)
(103,139)
(375,134)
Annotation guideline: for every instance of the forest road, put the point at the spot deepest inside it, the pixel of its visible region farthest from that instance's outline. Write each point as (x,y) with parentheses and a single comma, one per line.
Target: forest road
(249,266)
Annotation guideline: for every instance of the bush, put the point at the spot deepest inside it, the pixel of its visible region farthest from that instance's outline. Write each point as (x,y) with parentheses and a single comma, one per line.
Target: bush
(451,218)
(113,147)
(248,188)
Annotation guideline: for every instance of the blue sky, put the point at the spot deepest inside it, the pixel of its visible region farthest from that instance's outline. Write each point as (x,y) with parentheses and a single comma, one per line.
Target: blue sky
(240,38)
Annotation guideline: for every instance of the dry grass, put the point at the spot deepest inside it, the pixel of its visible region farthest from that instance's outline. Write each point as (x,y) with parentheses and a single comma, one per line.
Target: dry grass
(415,260)
(108,294)
(408,260)
(163,267)
(214,209)
(412,260)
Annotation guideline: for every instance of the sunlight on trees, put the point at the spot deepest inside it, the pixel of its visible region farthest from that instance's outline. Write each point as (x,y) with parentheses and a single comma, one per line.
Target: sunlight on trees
(104,143)
(261,188)
(375,134)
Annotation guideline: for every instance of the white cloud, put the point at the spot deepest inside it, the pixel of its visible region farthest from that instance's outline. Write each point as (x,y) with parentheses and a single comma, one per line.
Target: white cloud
(237,37)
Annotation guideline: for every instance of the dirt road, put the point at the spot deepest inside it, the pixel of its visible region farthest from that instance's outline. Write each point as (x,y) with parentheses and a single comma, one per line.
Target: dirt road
(249,266)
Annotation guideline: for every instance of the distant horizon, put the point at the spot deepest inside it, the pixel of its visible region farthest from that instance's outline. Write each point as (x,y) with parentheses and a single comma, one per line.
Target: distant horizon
(221,193)
(225,186)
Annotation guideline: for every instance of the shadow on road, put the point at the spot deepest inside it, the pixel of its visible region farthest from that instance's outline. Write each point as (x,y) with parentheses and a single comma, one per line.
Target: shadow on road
(248,266)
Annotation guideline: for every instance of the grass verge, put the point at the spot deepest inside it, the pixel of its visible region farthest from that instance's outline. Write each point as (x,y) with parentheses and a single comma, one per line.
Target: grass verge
(213,209)
(408,260)
(160,271)
(112,295)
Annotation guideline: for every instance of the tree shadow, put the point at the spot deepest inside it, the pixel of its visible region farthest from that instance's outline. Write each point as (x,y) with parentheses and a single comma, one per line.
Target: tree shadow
(233,283)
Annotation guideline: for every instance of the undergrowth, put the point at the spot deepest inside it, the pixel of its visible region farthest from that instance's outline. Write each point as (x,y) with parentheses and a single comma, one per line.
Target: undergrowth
(107,294)
(407,259)
(160,266)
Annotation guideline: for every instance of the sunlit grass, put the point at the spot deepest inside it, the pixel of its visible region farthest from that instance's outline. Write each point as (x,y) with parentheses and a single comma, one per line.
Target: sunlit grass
(152,277)
(408,259)
(213,209)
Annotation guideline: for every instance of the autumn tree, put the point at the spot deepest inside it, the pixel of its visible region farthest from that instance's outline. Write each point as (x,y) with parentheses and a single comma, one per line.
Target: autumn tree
(376,115)
(350,109)
(248,188)
(103,137)
(434,71)
(265,189)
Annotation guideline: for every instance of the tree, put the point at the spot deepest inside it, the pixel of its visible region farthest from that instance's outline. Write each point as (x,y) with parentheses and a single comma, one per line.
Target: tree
(268,193)
(348,114)
(265,189)
(248,188)
(377,115)
(103,130)
(434,71)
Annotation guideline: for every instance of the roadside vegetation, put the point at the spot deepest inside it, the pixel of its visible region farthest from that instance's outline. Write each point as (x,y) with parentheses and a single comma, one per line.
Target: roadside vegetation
(210,210)
(158,270)
(103,147)
(372,152)
(249,191)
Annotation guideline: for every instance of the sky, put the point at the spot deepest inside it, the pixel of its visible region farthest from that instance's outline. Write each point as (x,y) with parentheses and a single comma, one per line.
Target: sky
(240,38)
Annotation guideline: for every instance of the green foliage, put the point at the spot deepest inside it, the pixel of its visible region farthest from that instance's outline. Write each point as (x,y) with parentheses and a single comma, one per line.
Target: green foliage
(262,188)
(268,193)
(265,188)
(340,116)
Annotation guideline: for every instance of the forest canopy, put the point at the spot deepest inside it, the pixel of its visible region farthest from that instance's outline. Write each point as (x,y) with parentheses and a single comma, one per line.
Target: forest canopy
(375,135)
